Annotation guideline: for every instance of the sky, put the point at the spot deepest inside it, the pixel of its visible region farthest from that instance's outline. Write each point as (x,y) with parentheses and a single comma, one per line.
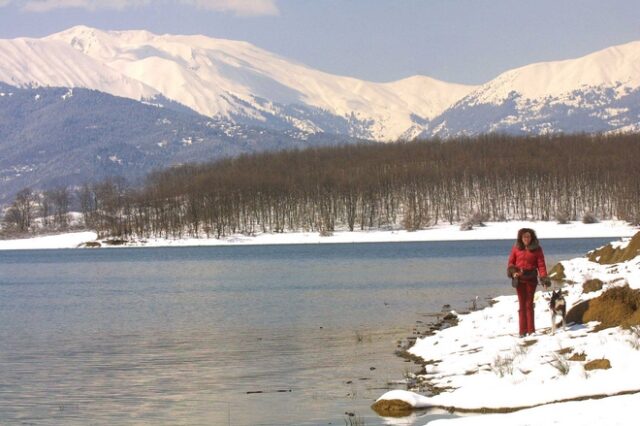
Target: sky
(460,41)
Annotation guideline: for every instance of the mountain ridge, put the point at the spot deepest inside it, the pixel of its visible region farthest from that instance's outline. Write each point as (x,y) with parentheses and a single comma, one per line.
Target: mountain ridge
(595,93)
(204,73)
(238,81)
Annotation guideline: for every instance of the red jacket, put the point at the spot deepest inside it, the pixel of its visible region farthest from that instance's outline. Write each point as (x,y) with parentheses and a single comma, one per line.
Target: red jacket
(524,259)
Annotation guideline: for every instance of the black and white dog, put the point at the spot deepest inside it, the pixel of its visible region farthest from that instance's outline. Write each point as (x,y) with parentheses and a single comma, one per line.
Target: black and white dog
(558,307)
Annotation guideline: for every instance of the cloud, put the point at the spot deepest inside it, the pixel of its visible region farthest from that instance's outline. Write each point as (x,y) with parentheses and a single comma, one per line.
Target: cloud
(236,7)
(47,5)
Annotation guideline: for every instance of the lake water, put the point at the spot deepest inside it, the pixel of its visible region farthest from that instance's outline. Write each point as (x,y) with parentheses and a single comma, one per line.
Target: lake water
(252,335)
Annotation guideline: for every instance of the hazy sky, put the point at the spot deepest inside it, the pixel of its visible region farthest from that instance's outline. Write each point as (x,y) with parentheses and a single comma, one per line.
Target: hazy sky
(465,41)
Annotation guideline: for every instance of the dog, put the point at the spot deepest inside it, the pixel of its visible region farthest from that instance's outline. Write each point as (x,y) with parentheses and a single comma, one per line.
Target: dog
(558,307)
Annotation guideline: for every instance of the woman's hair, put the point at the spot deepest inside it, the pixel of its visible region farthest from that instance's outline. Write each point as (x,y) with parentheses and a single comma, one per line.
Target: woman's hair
(534,239)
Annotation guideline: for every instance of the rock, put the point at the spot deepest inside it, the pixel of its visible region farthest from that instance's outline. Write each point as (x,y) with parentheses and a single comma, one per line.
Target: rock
(557,272)
(392,408)
(449,317)
(115,242)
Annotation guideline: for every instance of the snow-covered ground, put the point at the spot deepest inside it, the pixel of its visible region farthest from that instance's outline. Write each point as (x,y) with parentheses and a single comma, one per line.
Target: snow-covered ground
(483,364)
(60,241)
(608,411)
(491,231)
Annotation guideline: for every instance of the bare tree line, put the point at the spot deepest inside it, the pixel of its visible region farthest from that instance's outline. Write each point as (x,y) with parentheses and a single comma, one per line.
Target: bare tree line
(409,185)
(51,206)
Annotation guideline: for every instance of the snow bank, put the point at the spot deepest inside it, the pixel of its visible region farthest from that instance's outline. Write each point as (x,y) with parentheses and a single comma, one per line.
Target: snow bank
(70,240)
(491,231)
(413,399)
(608,411)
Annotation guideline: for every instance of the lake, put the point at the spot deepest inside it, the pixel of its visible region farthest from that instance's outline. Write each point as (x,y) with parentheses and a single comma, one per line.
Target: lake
(250,335)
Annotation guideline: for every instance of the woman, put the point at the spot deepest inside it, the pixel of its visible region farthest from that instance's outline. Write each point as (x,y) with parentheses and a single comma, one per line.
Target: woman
(526,262)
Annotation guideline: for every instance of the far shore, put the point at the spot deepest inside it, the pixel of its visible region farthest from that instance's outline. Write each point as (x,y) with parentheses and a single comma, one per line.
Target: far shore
(442,232)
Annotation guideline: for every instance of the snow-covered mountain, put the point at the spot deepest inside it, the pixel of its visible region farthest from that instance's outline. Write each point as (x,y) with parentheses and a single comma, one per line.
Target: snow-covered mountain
(227,79)
(35,62)
(238,82)
(599,92)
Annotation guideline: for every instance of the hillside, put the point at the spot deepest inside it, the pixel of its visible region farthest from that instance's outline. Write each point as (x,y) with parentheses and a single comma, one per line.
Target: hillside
(52,136)
(599,92)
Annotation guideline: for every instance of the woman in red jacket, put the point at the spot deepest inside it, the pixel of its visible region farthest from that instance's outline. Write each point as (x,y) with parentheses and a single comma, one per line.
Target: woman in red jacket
(526,262)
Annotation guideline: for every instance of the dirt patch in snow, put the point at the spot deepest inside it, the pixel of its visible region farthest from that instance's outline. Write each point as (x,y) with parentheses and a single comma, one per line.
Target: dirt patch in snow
(592,285)
(580,356)
(598,364)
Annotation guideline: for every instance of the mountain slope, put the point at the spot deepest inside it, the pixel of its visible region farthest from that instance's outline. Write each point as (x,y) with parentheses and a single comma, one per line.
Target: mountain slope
(237,80)
(595,93)
(51,136)
(35,62)
(617,66)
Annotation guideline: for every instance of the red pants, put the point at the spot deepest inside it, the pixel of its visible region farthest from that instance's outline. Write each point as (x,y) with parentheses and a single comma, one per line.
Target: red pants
(526,291)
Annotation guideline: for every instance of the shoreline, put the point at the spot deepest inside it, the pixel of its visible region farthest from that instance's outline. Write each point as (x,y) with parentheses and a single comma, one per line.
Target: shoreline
(489,231)
(587,365)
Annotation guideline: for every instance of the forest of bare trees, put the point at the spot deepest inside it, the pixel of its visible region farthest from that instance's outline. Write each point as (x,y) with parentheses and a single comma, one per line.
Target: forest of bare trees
(52,207)
(409,185)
